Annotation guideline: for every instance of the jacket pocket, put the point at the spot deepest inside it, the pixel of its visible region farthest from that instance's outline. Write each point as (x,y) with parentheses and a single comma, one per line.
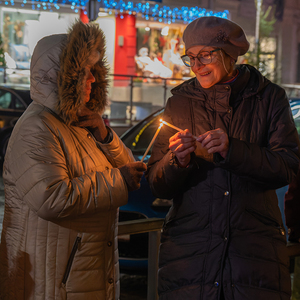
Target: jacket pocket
(70,261)
(183,225)
(266,220)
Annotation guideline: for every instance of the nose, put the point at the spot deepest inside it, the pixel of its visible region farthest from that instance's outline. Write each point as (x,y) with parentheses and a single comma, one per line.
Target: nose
(91,77)
(198,63)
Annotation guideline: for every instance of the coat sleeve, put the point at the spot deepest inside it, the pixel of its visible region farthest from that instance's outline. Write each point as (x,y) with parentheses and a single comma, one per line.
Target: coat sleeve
(292,209)
(165,177)
(276,164)
(39,174)
(116,152)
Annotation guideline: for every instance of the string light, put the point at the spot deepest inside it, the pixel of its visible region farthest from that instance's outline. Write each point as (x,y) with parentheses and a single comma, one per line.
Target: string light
(75,5)
(148,11)
(161,13)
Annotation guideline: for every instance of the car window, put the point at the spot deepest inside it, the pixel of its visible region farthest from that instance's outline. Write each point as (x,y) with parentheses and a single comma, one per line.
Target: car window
(295,107)
(19,104)
(5,99)
(142,134)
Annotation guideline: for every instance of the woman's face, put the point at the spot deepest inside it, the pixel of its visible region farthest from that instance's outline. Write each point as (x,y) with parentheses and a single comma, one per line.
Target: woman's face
(93,59)
(213,73)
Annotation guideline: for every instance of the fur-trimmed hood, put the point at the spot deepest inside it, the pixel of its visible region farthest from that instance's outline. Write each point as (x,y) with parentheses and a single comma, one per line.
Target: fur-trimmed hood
(58,71)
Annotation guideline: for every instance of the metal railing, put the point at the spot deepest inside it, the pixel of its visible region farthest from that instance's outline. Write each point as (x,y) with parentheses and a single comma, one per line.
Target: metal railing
(138,81)
(155,95)
(292,90)
(154,226)
(122,93)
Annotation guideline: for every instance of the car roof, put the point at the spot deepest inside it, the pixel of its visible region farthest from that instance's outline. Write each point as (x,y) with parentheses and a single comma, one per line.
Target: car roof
(22,90)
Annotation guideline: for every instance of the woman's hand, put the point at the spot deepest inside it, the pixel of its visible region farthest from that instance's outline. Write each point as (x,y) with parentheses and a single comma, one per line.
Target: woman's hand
(93,122)
(215,141)
(182,144)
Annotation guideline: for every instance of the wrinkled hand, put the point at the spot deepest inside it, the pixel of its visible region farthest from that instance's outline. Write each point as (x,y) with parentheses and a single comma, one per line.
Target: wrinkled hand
(93,122)
(215,141)
(182,144)
(132,173)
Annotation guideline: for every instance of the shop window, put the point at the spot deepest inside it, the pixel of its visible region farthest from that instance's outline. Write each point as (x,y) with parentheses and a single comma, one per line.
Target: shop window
(14,28)
(158,52)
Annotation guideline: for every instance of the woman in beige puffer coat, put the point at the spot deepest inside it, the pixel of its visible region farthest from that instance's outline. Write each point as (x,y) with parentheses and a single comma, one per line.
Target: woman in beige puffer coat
(65,175)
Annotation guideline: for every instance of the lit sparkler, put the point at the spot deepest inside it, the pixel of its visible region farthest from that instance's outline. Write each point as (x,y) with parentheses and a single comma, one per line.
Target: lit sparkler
(174,127)
(152,141)
(162,122)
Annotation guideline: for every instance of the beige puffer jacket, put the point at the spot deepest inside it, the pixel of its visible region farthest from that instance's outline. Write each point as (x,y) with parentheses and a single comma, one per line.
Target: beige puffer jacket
(62,188)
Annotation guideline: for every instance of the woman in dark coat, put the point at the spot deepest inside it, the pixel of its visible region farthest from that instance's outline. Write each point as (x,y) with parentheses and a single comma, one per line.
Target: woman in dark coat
(223,237)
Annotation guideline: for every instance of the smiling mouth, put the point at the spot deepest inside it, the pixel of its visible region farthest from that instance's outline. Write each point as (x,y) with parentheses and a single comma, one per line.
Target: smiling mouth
(205,74)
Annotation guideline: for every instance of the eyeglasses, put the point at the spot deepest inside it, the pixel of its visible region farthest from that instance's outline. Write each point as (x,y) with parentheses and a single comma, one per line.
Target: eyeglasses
(204,57)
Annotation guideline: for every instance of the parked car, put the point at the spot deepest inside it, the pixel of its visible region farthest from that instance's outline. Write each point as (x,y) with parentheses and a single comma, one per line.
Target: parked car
(133,249)
(13,102)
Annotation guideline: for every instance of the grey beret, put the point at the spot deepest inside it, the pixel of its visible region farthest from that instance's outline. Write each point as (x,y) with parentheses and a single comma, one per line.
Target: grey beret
(216,32)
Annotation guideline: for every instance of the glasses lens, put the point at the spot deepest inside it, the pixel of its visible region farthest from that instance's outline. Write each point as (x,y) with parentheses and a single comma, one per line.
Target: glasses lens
(187,61)
(205,57)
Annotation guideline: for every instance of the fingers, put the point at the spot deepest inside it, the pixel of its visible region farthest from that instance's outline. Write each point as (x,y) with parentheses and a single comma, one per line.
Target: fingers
(132,173)
(182,144)
(138,168)
(215,141)
(84,111)
(141,166)
(88,118)
(181,141)
(185,135)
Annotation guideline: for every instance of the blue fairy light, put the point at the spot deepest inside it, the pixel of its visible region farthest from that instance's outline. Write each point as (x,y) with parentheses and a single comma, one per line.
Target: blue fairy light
(149,10)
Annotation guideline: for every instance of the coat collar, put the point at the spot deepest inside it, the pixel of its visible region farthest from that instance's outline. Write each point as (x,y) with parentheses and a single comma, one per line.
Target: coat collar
(249,82)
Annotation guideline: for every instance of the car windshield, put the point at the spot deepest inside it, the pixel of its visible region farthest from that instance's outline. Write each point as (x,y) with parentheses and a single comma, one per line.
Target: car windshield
(141,135)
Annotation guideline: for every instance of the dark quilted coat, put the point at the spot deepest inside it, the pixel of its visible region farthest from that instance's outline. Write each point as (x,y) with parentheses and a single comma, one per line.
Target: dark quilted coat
(224,230)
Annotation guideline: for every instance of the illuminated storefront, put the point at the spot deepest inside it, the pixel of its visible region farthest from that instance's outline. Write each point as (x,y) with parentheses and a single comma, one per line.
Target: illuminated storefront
(148,36)
(142,38)
(22,25)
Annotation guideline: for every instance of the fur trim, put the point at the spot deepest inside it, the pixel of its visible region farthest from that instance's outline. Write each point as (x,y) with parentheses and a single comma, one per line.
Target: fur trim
(82,40)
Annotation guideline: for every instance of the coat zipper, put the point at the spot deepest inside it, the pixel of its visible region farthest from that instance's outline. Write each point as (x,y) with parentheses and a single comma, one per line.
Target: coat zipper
(227,232)
(192,116)
(70,261)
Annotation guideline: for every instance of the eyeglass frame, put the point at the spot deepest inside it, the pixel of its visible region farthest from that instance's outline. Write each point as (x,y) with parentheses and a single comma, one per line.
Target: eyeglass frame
(199,59)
